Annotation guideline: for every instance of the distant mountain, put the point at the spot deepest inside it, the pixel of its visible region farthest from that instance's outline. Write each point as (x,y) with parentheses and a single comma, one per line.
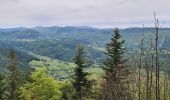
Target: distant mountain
(60,42)
(23,33)
(93,35)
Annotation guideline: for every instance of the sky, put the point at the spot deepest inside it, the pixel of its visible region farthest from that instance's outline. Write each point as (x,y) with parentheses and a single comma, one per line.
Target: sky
(95,13)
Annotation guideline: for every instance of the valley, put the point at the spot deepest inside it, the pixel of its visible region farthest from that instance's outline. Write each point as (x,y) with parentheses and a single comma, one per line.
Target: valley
(54,47)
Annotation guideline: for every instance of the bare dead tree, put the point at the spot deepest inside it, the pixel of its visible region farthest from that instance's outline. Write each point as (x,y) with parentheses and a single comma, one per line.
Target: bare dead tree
(152,67)
(156,57)
(147,80)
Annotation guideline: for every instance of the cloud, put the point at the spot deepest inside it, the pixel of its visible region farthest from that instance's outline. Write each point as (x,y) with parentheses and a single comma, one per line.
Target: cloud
(100,13)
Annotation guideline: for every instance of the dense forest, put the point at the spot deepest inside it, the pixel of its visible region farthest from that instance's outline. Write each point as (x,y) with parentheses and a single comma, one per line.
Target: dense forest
(84,63)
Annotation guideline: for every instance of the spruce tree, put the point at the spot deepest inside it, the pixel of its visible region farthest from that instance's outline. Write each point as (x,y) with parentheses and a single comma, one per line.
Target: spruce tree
(116,71)
(13,77)
(81,84)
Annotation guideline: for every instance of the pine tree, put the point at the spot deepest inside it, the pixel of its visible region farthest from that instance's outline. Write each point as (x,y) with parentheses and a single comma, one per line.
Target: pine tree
(116,72)
(13,78)
(81,84)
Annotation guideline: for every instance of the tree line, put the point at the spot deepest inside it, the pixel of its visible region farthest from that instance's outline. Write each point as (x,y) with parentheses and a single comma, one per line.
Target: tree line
(126,76)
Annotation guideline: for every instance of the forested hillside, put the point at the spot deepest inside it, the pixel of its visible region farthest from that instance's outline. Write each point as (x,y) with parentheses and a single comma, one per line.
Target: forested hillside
(60,42)
(22,58)
(82,63)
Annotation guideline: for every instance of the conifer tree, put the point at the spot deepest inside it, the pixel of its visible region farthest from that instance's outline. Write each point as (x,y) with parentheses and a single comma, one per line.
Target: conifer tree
(13,78)
(81,84)
(116,72)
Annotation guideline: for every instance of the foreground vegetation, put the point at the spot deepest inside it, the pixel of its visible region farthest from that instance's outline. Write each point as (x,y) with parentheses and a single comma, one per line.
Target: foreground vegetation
(142,74)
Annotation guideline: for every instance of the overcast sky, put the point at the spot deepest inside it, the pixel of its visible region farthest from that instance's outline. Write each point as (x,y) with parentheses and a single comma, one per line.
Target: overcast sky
(96,13)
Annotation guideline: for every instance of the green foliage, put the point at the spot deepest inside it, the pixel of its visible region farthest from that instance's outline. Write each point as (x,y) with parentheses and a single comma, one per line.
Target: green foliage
(68,91)
(13,77)
(22,58)
(3,88)
(41,87)
(56,68)
(164,84)
(81,83)
(114,52)
(59,43)
(61,49)
(116,72)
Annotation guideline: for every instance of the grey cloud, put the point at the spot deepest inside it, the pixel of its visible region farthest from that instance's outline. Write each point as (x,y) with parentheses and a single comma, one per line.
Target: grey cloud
(98,13)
